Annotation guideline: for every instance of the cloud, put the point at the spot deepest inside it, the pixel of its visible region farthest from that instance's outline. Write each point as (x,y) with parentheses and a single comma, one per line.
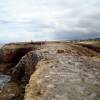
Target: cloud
(49,19)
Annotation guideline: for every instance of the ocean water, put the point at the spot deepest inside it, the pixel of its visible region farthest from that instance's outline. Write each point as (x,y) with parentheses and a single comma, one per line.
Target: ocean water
(4,79)
(1,45)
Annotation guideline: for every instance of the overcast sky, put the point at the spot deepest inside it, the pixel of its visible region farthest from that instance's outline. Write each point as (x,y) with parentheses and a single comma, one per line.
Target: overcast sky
(25,20)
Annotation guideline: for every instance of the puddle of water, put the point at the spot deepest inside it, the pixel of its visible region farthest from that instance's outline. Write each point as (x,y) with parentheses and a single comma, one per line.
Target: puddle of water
(4,79)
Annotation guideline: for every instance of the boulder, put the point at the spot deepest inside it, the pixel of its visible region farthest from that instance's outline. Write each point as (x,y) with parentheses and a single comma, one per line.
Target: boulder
(60,51)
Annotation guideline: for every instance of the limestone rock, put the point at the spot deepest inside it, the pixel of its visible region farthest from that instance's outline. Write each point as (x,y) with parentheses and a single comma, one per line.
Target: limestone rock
(64,76)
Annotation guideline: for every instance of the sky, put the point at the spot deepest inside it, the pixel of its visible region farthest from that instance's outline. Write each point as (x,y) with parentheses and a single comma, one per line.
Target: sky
(26,20)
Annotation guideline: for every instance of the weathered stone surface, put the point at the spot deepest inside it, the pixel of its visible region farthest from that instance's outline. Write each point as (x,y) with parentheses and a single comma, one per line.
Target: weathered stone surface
(11,92)
(60,71)
(64,76)
(10,54)
(13,55)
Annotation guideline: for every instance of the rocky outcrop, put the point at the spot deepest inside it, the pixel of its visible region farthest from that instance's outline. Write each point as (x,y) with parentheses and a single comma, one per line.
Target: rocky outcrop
(10,54)
(26,66)
(11,91)
(20,76)
(13,55)
(64,76)
(58,71)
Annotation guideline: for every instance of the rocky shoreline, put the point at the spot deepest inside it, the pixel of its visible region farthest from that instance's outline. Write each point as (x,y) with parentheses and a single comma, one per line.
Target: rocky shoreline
(42,61)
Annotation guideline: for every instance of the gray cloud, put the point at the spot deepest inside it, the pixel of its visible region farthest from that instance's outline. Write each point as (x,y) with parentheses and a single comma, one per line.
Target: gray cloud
(63,19)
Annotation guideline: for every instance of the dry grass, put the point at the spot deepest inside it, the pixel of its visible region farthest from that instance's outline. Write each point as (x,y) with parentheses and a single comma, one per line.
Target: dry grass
(96,58)
(94,43)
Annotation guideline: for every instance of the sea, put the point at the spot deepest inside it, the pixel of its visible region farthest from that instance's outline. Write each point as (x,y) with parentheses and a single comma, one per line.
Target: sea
(4,79)
(1,44)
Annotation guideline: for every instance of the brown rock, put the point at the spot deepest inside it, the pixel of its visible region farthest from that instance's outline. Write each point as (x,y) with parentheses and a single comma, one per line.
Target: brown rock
(13,55)
(11,92)
(64,76)
(26,66)
(60,51)
(10,54)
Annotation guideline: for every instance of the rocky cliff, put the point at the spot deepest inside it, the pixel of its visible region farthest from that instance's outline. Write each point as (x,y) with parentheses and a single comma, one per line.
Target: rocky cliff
(10,55)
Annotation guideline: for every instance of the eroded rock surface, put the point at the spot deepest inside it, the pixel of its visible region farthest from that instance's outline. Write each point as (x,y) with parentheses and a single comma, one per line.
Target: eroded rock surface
(11,91)
(26,66)
(59,71)
(69,75)
(10,54)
